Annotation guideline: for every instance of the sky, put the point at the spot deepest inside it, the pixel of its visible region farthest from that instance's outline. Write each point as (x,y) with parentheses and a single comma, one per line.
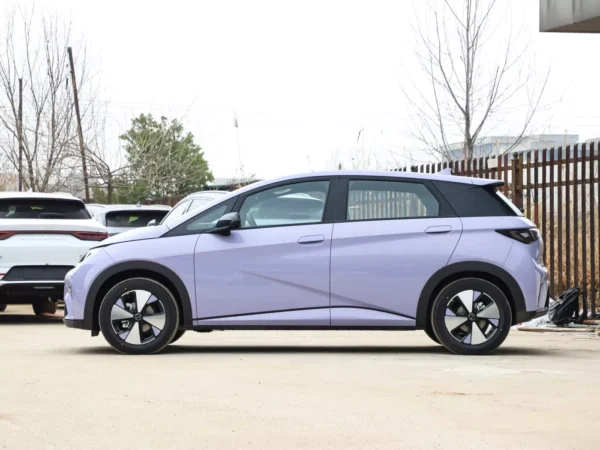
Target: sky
(302,77)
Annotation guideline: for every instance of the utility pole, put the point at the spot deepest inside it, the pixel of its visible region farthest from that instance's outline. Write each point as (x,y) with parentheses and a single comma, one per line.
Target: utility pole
(80,131)
(20,134)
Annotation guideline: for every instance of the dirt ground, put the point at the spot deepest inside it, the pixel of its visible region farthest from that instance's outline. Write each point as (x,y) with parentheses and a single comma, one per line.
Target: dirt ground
(62,389)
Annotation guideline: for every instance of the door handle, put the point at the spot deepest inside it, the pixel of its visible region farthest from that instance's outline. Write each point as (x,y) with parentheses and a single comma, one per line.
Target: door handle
(439,229)
(311,239)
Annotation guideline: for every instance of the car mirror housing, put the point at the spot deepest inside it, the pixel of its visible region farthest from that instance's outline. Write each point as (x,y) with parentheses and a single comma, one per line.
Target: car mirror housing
(152,223)
(226,223)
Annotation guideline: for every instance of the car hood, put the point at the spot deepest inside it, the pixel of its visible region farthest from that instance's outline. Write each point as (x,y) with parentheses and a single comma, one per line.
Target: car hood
(136,234)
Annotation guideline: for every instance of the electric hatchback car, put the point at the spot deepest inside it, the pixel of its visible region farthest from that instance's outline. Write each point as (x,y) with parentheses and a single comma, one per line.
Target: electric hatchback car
(335,250)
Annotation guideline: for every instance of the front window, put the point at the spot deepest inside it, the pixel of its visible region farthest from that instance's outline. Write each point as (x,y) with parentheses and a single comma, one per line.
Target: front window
(26,208)
(292,204)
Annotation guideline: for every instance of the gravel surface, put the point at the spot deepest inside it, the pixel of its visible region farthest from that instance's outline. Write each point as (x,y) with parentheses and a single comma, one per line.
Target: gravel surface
(62,389)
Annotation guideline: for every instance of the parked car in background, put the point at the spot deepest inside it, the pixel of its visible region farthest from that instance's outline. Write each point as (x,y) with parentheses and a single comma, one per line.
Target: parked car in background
(190,203)
(120,218)
(334,250)
(42,237)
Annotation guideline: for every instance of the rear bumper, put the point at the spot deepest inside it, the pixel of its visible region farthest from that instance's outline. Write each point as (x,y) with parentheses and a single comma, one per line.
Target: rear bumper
(22,292)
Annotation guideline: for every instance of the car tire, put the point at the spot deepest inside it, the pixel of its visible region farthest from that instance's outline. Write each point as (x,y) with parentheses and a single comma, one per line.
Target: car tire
(2,307)
(429,332)
(471,316)
(44,307)
(177,336)
(139,316)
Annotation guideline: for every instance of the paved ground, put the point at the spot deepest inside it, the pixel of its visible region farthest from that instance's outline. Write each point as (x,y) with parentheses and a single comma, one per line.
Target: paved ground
(60,388)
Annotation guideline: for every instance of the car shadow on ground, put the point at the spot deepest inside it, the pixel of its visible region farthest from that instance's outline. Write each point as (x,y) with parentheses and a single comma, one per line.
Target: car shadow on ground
(30,319)
(315,349)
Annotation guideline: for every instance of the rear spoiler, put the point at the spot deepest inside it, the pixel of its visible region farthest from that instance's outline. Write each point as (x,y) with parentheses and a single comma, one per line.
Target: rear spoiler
(475,181)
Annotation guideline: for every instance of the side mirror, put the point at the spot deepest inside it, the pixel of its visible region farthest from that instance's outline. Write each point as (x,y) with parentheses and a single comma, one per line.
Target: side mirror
(152,223)
(227,223)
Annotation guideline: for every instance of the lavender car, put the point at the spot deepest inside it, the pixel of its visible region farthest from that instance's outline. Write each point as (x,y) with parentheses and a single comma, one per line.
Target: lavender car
(336,250)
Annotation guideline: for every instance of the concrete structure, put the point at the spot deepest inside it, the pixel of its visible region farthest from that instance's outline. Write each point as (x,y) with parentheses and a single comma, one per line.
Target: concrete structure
(498,145)
(570,16)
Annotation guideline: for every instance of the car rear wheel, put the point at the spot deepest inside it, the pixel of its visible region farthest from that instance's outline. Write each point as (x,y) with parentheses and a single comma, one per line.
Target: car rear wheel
(41,307)
(2,307)
(139,316)
(471,317)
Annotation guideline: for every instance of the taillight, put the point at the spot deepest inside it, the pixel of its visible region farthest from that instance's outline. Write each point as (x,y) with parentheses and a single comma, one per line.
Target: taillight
(83,235)
(524,235)
(90,235)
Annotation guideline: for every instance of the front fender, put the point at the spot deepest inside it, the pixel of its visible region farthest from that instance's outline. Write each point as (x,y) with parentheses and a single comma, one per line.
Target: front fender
(92,302)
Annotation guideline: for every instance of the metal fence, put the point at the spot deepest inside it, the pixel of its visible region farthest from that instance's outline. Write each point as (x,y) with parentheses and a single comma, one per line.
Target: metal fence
(558,190)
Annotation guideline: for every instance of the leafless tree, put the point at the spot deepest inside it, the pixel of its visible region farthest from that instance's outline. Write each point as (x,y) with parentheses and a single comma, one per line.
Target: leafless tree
(33,47)
(474,66)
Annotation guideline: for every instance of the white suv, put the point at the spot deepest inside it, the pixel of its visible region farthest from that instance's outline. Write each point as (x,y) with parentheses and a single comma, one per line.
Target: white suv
(42,237)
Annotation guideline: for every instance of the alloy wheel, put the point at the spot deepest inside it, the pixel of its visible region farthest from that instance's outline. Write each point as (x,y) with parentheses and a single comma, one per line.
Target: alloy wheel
(138,317)
(472,317)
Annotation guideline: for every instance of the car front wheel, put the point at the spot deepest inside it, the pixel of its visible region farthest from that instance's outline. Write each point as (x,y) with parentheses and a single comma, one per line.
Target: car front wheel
(471,316)
(139,316)
(2,307)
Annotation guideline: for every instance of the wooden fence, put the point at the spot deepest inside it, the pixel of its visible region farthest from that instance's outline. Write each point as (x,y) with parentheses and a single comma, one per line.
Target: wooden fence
(558,190)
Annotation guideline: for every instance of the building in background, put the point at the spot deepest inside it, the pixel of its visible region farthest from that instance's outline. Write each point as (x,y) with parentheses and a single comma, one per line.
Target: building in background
(570,16)
(499,145)
(229,184)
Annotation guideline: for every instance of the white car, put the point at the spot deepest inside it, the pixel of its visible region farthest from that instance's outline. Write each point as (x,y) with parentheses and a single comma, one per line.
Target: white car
(42,237)
(120,218)
(190,203)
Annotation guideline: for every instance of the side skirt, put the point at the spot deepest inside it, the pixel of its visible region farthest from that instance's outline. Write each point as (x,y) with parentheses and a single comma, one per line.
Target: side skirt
(299,328)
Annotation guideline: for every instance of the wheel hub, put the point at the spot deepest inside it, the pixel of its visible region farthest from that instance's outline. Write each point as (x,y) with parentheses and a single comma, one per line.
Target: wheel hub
(472,317)
(138,317)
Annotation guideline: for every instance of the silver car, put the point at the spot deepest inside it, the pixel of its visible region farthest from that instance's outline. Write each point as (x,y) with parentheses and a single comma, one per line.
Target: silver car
(190,203)
(120,218)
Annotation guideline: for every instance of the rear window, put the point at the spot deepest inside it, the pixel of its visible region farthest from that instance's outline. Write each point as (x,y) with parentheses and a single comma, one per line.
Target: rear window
(25,208)
(133,219)
(476,201)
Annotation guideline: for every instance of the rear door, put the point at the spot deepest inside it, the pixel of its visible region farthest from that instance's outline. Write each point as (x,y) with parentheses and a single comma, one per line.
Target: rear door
(392,235)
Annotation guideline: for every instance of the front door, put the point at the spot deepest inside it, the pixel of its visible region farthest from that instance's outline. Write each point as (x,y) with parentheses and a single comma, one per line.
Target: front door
(274,271)
(395,236)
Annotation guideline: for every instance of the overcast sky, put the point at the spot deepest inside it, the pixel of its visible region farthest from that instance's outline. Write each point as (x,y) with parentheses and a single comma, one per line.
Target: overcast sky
(303,77)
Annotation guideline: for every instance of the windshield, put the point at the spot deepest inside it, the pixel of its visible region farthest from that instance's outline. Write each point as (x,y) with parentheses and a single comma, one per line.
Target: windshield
(133,219)
(510,204)
(26,208)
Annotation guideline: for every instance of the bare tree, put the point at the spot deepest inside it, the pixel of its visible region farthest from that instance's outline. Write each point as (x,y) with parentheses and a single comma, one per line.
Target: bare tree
(473,64)
(33,48)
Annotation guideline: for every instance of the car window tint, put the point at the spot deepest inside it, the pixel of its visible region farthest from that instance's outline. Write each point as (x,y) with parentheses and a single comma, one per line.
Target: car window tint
(372,200)
(133,219)
(42,209)
(177,211)
(291,204)
(207,220)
